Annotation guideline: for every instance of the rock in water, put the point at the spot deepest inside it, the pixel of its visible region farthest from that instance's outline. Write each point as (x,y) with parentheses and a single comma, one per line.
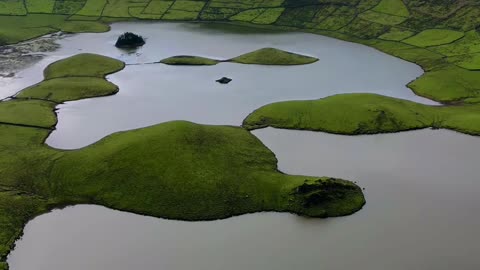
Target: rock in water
(224,80)
(129,40)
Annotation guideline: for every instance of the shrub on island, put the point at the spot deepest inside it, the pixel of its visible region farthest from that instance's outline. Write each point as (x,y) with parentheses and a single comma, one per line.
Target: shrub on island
(129,40)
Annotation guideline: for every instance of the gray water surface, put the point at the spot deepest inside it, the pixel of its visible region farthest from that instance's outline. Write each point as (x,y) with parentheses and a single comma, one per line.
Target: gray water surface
(421,213)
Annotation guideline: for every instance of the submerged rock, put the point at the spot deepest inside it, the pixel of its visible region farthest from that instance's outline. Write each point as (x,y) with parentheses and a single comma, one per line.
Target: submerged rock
(224,80)
(129,40)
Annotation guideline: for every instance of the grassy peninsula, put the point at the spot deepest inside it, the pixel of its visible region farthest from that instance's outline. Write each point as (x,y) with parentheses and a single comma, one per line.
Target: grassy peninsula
(179,170)
(355,114)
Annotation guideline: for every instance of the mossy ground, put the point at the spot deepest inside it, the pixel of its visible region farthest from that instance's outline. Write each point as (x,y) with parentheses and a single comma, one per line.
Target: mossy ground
(177,170)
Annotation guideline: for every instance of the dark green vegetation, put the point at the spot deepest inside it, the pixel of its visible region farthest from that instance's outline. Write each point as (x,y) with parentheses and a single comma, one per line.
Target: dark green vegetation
(265,56)
(355,114)
(129,40)
(178,170)
(439,35)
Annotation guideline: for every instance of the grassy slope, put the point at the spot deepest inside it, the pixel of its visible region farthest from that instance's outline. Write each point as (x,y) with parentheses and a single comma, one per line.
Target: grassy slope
(265,56)
(176,170)
(354,114)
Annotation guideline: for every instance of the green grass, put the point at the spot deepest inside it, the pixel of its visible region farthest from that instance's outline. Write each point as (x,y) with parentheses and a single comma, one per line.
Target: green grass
(177,170)
(28,112)
(248,15)
(12,7)
(35,25)
(189,60)
(83,65)
(40,6)
(434,37)
(180,15)
(84,27)
(272,56)
(269,16)
(354,114)
(93,8)
(193,6)
(157,7)
(120,8)
(469,61)
(448,84)
(397,34)
(68,7)
(392,7)
(69,88)
(470,44)
(382,18)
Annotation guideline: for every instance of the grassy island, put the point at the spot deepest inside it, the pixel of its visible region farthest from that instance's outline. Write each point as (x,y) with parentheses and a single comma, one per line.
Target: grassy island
(179,170)
(187,60)
(354,114)
(265,56)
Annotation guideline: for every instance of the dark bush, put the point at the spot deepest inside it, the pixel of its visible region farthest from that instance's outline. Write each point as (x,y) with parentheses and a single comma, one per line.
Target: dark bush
(129,40)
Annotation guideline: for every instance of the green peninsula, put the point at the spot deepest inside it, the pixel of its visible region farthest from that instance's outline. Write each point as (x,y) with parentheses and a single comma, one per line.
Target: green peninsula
(355,114)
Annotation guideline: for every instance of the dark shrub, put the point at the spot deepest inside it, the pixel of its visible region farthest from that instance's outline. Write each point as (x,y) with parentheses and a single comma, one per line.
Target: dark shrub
(129,40)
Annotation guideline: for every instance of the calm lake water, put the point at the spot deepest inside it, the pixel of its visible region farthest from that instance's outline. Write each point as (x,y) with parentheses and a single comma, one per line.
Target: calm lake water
(421,187)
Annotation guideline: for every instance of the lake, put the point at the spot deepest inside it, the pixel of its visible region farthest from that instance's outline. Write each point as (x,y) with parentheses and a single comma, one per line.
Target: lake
(421,187)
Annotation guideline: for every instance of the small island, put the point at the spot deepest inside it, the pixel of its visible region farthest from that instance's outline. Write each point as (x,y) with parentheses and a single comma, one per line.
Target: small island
(129,40)
(265,56)
(224,80)
(187,60)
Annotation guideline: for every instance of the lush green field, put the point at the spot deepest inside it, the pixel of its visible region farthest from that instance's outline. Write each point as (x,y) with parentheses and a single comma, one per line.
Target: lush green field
(178,170)
(265,56)
(355,114)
